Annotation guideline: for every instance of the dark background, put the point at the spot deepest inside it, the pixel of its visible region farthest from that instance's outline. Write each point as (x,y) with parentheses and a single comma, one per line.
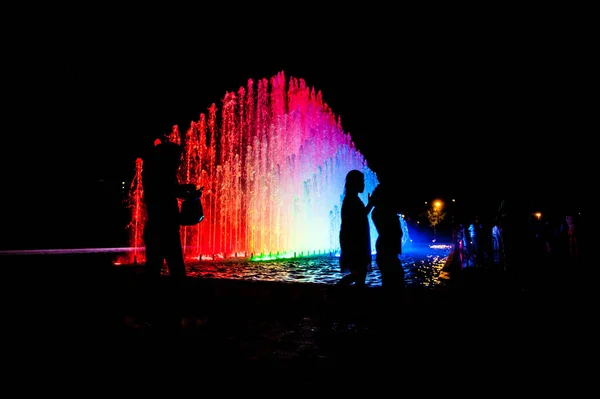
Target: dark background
(471,106)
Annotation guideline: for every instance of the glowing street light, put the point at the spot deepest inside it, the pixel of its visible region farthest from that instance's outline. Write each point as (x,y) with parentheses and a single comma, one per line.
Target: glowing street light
(435,215)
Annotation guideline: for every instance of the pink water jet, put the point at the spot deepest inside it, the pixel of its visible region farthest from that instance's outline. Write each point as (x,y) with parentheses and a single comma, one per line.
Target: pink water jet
(273,164)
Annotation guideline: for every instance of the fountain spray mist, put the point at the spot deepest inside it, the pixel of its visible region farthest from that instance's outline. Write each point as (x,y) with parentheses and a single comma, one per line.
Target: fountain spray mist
(273,164)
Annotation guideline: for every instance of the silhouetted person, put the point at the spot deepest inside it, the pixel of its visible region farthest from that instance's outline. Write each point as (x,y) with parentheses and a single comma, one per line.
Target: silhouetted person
(475,230)
(461,237)
(162,232)
(497,242)
(514,222)
(568,239)
(389,240)
(355,232)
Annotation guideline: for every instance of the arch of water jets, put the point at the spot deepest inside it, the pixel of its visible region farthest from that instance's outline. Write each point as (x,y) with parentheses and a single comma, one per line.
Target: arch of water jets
(273,163)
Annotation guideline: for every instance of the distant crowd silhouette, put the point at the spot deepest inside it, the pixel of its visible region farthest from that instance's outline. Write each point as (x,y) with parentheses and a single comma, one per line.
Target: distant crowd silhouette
(519,242)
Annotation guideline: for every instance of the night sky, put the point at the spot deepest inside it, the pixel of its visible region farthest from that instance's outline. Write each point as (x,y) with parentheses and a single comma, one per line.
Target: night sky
(455,111)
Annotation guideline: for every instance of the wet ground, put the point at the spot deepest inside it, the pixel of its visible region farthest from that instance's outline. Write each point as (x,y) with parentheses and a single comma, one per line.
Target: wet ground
(82,312)
(422,265)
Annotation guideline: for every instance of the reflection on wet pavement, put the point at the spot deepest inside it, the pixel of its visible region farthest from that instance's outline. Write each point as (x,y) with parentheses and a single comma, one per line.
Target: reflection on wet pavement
(318,331)
(422,266)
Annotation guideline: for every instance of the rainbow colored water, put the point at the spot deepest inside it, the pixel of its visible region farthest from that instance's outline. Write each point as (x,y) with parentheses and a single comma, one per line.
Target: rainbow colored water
(273,164)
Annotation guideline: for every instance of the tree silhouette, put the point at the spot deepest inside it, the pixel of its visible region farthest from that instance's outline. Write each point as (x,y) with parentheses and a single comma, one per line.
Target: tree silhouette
(435,215)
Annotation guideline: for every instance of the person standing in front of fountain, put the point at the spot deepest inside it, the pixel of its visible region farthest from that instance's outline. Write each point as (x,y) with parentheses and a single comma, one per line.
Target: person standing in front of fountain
(389,234)
(162,232)
(355,232)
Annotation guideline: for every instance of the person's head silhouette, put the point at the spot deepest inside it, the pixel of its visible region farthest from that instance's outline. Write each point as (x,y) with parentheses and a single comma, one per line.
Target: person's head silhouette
(355,182)
(166,155)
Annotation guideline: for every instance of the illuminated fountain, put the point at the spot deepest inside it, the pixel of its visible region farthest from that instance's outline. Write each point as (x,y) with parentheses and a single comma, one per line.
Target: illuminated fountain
(273,165)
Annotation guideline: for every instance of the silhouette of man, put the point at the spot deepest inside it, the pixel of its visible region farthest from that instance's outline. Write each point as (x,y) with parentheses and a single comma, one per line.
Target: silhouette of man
(162,229)
(389,240)
(514,221)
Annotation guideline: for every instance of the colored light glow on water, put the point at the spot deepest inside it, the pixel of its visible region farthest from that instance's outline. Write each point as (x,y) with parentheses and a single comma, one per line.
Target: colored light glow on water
(273,164)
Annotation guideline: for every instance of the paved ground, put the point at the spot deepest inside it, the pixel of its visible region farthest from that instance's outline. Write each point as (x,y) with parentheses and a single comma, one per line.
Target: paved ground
(302,334)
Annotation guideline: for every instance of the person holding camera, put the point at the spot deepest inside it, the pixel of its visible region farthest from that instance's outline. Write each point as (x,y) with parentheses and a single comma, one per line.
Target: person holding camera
(162,237)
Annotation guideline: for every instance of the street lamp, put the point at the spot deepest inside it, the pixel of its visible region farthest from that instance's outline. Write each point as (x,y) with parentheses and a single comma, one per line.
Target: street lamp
(435,215)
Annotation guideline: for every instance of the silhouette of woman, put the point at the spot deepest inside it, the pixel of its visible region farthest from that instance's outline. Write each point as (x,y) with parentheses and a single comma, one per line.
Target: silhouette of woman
(355,232)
